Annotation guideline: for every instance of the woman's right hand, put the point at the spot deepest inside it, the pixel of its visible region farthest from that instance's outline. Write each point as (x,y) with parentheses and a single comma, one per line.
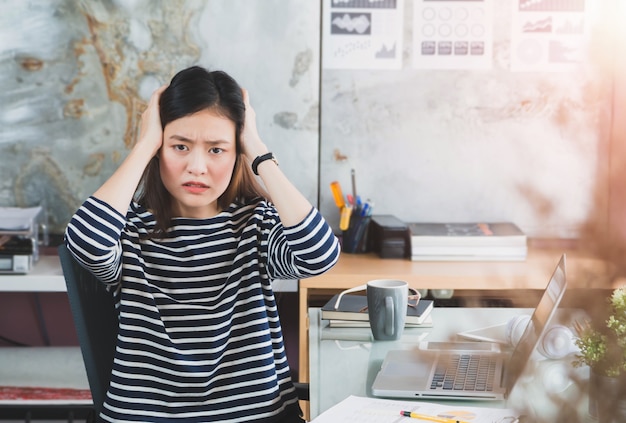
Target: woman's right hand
(150,131)
(118,191)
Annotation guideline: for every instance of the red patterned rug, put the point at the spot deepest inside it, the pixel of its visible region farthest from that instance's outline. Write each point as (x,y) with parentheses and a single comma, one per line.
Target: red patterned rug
(43,394)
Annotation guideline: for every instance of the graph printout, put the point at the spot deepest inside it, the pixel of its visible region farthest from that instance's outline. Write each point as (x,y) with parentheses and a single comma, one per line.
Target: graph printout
(377,410)
(453,34)
(362,34)
(548,35)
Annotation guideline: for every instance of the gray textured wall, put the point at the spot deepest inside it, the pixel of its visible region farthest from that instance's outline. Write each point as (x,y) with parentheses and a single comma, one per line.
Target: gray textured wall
(74,76)
(461,145)
(427,145)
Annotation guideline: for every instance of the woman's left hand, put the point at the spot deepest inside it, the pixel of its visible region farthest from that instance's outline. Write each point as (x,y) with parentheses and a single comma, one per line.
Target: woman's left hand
(292,206)
(250,139)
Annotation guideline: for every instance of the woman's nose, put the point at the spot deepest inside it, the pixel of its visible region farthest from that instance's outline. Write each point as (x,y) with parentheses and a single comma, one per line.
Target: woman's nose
(197,164)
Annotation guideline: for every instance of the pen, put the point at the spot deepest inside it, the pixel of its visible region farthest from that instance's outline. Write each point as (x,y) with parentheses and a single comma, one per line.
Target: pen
(358,205)
(429,418)
(365,210)
(353,176)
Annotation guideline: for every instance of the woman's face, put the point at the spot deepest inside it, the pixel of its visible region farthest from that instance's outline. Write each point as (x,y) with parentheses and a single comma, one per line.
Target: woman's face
(196,161)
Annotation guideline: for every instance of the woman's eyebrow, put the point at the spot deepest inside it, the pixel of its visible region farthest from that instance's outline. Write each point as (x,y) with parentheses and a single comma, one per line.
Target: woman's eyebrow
(211,142)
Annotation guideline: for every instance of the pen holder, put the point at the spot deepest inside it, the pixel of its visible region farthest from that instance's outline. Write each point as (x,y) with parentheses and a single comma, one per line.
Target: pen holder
(354,239)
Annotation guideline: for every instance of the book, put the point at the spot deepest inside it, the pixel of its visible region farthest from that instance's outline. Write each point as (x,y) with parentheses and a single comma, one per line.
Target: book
(335,323)
(354,307)
(466,234)
(467,241)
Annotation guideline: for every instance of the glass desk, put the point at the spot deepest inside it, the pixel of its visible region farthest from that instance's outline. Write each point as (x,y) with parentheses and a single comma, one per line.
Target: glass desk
(345,361)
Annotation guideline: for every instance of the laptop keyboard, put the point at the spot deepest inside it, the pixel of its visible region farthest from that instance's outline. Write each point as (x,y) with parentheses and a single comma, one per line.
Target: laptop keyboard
(465,372)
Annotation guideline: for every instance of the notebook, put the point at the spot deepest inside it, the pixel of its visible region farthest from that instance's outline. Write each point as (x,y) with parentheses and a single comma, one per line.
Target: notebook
(428,372)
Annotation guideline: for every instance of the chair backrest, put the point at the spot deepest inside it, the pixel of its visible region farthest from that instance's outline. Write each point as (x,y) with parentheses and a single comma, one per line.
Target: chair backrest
(96,322)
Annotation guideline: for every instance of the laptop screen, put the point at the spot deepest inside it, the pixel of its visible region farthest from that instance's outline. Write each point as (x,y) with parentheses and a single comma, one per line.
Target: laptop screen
(545,310)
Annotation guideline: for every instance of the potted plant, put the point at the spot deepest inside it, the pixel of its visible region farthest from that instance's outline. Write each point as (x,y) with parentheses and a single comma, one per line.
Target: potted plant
(602,347)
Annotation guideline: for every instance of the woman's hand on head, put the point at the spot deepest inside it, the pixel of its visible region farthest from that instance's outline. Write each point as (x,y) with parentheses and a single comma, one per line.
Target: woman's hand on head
(151,132)
(119,190)
(250,139)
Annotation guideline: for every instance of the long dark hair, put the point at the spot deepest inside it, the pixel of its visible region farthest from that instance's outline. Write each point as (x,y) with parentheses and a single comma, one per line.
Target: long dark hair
(192,90)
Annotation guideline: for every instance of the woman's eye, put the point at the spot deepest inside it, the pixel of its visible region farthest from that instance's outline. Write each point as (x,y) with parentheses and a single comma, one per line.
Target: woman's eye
(216,150)
(180,147)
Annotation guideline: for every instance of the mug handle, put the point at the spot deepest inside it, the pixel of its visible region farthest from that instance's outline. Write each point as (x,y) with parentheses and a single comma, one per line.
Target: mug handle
(348,291)
(389,317)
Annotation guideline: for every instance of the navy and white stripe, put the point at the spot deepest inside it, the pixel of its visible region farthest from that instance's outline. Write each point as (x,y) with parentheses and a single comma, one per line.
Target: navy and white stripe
(199,338)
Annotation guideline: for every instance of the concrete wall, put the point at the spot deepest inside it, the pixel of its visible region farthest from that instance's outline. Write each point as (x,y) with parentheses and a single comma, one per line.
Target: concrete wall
(490,144)
(75,76)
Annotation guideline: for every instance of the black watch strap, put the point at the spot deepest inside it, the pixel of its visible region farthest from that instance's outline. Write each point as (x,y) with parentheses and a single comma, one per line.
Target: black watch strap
(260,159)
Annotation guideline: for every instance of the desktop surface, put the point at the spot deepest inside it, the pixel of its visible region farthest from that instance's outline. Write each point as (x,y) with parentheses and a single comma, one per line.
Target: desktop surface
(345,361)
(45,276)
(491,278)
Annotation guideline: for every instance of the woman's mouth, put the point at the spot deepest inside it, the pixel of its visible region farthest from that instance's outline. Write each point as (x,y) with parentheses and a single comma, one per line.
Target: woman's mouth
(195,187)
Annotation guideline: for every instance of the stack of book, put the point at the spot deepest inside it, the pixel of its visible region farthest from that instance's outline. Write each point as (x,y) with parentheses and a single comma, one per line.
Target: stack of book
(467,241)
(352,312)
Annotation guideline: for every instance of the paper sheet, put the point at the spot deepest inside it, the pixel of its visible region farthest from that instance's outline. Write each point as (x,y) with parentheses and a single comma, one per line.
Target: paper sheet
(375,410)
(18,218)
(362,34)
(549,35)
(452,34)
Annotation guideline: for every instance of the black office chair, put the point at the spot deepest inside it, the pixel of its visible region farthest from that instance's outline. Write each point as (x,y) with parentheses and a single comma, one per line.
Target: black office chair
(96,322)
(95,319)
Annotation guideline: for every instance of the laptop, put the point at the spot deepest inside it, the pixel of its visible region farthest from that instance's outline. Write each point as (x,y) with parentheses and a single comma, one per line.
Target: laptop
(428,372)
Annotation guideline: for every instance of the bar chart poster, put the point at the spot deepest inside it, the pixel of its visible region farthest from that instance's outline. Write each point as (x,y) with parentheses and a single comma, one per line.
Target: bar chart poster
(452,34)
(548,35)
(362,34)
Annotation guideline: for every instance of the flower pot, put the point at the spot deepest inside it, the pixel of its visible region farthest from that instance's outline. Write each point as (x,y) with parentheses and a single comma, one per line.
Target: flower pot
(607,398)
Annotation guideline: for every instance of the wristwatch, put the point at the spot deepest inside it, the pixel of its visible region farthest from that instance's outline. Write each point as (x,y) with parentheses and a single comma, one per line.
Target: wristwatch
(260,159)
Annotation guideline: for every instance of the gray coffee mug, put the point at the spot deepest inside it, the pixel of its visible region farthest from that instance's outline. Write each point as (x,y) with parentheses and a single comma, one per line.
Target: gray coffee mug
(386,305)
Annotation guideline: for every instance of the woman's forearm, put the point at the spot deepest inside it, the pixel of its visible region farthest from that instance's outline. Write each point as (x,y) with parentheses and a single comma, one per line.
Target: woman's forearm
(292,206)
(119,189)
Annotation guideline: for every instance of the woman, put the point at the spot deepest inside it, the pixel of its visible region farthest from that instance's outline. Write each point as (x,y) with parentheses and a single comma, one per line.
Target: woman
(190,261)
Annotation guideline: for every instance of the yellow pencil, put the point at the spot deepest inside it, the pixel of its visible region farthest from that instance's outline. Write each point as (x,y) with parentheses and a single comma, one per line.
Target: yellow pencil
(429,418)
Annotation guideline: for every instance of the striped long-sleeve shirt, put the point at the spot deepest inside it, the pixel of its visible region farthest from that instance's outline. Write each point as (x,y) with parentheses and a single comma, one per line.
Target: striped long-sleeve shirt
(199,335)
